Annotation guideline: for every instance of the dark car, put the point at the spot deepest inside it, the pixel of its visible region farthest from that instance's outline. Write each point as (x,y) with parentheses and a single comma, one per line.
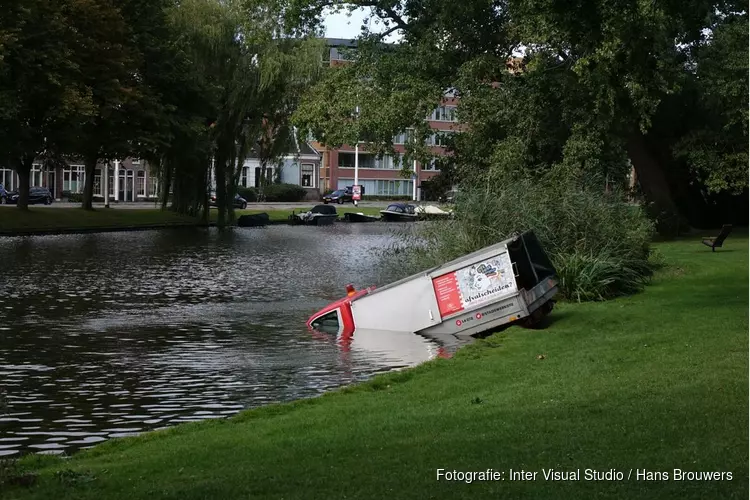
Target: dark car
(339,196)
(36,195)
(3,195)
(239,201)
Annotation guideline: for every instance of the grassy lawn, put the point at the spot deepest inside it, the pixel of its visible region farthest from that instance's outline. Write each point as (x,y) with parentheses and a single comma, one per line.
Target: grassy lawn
(657,381)
(40,219)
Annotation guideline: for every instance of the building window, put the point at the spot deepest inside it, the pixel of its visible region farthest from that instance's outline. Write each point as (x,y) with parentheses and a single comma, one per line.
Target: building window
(111,184)
(7,178)
(36,175)
(140,183)
(73,178)
(439,138)
(269,176)
(369,160)
(308,175)
(431,165)
(444,114)
(243,178)
(98,182)
(341,53)
(389,187)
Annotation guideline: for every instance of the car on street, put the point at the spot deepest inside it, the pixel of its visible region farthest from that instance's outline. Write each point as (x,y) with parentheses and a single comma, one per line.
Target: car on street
(339,196)
(36,195)
(3,195)
(239,201)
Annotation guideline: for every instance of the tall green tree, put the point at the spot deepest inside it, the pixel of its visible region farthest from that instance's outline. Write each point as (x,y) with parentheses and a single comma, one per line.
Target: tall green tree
(256,74)
(593,77)
(110,68)
(41,85)
(715,145)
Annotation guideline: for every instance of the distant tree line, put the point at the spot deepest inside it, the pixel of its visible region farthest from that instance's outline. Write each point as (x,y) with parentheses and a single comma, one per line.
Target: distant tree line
(191,86)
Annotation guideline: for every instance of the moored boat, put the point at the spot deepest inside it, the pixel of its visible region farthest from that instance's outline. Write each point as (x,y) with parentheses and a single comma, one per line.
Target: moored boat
(399,212)
(431,212)
(320,215)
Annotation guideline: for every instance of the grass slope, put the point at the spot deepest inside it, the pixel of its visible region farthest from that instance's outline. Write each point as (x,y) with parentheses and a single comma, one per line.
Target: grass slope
(656,381)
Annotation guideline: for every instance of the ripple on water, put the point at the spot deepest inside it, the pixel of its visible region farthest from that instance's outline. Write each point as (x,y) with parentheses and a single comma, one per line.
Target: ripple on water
(173,327)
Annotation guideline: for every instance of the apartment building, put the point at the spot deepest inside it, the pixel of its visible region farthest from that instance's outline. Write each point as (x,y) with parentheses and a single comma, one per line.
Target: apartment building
(382,176)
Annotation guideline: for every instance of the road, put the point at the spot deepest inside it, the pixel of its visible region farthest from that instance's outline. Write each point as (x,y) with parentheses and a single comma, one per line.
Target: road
(250,206)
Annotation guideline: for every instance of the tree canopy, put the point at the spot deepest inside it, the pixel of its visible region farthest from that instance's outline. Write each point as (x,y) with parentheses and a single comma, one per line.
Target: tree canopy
(193,86)
(590,81)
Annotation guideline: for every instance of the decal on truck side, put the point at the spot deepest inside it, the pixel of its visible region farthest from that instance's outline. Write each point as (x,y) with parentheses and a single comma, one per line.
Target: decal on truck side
(481,314)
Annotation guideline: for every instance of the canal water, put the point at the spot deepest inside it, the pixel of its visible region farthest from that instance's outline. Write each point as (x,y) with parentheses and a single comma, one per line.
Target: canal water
(110,335)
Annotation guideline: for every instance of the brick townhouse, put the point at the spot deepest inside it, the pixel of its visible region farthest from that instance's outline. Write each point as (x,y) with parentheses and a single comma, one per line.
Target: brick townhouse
(381,176)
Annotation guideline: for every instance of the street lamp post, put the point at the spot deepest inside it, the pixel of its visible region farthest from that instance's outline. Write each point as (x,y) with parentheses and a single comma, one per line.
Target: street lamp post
(415,177)
(106,184)
(356,157)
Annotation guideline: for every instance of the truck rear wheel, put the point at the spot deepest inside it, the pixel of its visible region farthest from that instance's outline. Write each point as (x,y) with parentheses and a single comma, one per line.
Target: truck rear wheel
(536,319)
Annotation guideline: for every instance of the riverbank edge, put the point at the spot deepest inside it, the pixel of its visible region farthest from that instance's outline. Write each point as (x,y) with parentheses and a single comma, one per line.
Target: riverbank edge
(276,217)
(668,280)
(124,229)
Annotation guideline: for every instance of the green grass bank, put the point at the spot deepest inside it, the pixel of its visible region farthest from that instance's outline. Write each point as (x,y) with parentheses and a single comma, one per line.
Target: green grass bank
(656,381)
(14,222)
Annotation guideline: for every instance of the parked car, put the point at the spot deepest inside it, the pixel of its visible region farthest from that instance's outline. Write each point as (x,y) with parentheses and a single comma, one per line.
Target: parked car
(36,195)
(3,195)
(239,201)
(339,196)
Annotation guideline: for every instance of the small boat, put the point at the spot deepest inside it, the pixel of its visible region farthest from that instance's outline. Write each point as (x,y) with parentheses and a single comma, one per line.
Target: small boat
(320,215)
(359,217)
(400,212)
(431,212)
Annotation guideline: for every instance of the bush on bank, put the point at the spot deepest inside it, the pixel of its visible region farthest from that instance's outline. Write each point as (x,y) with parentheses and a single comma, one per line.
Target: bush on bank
(598,242)
(249,193)
(289,193)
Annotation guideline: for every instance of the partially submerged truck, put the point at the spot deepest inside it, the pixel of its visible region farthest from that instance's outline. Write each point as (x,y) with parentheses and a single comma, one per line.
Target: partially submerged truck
(510,282)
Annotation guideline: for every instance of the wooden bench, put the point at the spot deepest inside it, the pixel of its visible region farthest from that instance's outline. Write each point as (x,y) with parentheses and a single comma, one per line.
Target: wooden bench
(718,241)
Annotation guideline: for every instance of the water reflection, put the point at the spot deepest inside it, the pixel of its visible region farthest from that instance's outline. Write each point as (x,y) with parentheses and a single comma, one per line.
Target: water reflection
(110,335)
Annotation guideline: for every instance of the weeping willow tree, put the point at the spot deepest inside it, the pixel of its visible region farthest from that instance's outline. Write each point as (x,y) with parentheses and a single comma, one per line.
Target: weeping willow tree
(250,73)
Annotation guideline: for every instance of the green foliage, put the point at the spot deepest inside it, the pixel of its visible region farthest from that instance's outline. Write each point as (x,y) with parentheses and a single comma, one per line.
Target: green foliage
(12,474)
(599,274)
(587,88)
(249,193)
(251,76)
(284,192)
(390,87)
(598,242)
(715,147)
